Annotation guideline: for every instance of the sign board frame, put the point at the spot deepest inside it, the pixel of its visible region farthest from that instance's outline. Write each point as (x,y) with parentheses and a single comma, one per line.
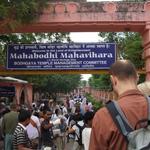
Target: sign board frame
(61,56)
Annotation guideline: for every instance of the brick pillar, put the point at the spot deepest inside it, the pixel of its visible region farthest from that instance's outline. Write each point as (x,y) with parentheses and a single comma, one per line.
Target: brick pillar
(146,45)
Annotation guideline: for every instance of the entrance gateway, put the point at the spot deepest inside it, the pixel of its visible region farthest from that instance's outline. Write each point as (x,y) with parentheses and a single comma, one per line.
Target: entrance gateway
(93,17)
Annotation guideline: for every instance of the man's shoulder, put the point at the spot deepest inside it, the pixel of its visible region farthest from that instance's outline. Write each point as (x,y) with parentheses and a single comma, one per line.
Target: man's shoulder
(11,113)
(101,111)
(19,129)
(86,130)
(6,116)
(102,114)
(14,113)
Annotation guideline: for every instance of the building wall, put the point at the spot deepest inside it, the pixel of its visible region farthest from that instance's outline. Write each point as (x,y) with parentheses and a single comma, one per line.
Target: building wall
(100,95)
(19,88)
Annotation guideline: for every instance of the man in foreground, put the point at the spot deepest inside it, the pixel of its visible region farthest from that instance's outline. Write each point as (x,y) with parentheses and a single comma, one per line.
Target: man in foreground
(105,134)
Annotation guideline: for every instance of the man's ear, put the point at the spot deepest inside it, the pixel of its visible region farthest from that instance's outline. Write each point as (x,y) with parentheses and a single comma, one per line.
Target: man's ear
(113,80)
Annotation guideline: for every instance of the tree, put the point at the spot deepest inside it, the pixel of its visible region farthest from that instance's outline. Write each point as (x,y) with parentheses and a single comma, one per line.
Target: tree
(16,12)
(50,85)
(100,82)
(133,49)
(83,83)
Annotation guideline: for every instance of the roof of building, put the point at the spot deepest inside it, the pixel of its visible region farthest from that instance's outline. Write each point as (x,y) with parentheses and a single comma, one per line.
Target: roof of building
(13,79)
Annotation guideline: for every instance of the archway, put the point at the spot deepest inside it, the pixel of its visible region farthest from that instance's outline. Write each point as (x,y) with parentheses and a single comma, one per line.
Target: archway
(22,98)
(94,17)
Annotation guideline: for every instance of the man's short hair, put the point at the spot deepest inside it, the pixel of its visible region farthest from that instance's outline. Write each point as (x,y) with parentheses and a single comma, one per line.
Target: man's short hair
(88,116)
(24,115)
(13,106)
(123,69)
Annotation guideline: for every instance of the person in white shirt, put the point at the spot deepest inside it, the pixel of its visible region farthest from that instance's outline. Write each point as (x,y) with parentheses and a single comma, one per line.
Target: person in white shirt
(90,106)
(75,129)
(86,133)
(72,105)
(33,130)
(64,110)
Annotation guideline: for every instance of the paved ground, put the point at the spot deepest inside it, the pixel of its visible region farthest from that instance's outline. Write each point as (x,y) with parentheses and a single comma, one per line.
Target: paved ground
(68,146)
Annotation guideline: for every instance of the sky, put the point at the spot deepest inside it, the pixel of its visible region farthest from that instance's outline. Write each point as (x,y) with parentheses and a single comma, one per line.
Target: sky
(85,37)
(85,76)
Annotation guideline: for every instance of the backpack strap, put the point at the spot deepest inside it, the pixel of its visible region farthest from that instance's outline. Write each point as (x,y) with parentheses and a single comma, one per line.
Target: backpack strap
(80,131)
(79,137)
(119,118)
(79,127)
(148,101)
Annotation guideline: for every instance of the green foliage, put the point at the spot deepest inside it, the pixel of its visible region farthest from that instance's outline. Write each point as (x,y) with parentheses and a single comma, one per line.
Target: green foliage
(100,82)
(141,78)
(96,105)
(83,83)
(116,37)
(52,84)
(16,12)
(133,49)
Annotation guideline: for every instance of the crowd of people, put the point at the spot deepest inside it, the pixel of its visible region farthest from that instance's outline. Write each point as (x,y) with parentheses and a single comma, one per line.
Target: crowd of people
(52,125)
(48,124)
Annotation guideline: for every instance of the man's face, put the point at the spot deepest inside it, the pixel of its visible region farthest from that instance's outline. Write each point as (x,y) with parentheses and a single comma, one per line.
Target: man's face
(48,115)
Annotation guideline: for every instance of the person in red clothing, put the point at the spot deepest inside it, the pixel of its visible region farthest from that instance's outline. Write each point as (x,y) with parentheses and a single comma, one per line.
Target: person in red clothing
(105,134)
